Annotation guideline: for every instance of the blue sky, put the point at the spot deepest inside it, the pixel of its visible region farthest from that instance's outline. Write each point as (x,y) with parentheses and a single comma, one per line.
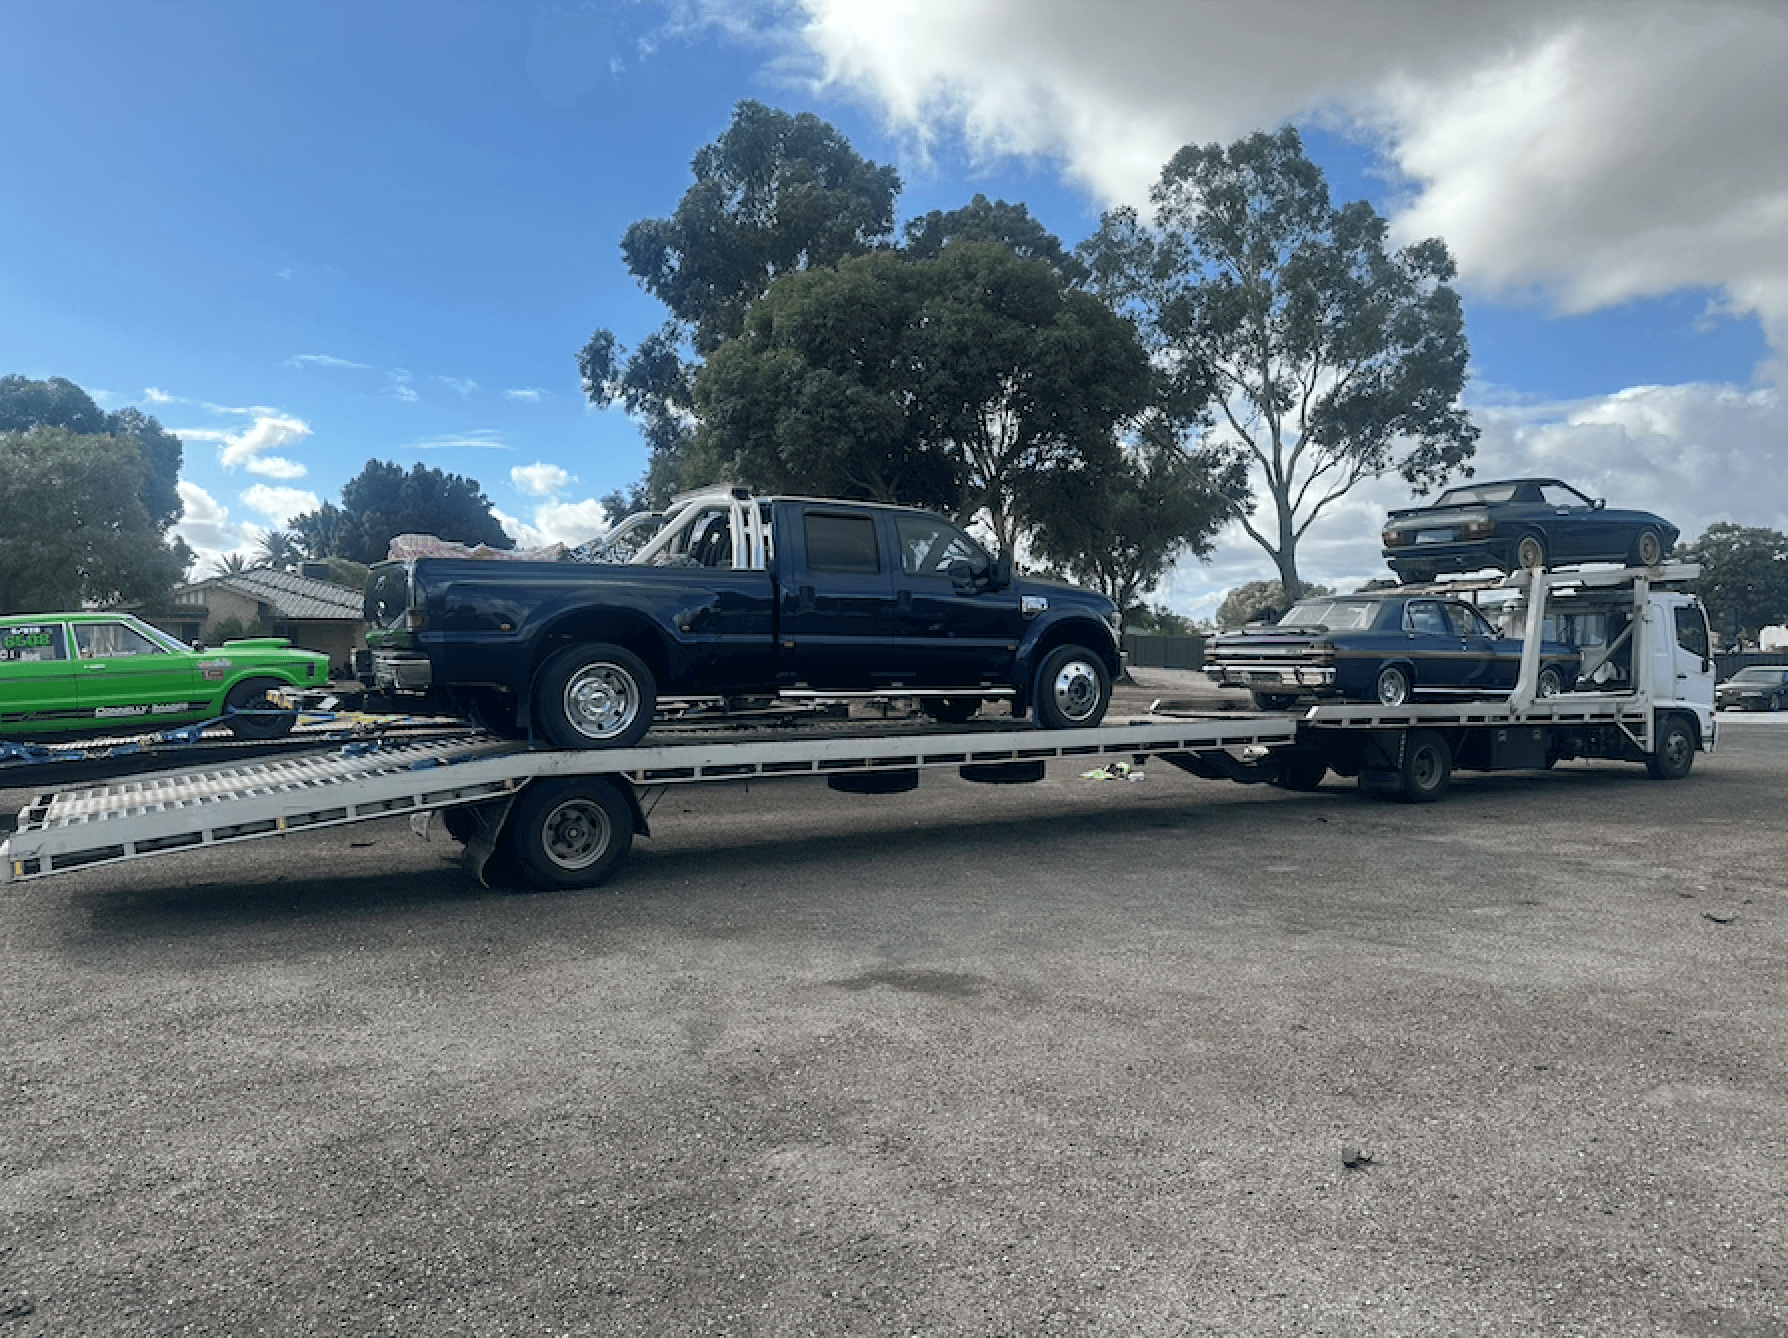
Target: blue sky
(309,235)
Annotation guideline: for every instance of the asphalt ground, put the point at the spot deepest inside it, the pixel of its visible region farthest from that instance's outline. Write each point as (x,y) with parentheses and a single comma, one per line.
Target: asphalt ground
(1098,1057)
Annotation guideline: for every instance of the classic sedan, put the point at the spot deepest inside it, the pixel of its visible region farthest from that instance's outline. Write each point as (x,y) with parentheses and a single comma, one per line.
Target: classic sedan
(1519,523)
(1761,687)
(64,674)
(1385,648)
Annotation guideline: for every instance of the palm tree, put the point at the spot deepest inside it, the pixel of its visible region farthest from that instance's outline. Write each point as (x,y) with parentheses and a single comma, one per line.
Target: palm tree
(232,564)
(280,549)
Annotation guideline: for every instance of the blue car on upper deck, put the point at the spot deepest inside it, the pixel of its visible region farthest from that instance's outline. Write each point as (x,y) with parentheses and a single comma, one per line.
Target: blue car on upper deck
(1519,523)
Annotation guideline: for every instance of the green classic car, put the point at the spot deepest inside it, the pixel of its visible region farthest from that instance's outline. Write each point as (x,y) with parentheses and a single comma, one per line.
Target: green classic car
(79,673)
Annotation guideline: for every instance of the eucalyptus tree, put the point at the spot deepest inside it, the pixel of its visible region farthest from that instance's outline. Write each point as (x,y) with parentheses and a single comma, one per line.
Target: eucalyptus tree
(1330,357)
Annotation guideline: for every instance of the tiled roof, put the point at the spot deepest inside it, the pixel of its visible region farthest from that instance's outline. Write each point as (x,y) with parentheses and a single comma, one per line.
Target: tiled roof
(289,596)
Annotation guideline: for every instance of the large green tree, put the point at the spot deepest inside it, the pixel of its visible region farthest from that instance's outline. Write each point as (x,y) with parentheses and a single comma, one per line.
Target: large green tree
(25,404)
(1257,599)
(383,501)
(1744,577)
(962,380)
(1332,358)
(774,194)
(73,525)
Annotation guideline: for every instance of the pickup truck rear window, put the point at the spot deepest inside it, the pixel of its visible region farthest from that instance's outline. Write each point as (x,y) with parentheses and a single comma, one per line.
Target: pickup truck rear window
(841,543)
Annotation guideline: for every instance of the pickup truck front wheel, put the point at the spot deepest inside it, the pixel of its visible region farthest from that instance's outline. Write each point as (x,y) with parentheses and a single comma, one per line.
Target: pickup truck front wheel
(595,696)
(1073,689)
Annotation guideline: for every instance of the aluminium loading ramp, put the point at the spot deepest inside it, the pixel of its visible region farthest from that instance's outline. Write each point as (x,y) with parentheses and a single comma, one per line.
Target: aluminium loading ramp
(165,813)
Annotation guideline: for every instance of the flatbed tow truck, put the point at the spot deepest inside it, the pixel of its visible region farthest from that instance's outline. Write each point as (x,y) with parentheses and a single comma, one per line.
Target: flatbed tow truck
(560,818)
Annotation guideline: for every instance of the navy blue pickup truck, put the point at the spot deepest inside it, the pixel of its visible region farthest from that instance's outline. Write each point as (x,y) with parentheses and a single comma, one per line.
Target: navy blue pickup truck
(725,595)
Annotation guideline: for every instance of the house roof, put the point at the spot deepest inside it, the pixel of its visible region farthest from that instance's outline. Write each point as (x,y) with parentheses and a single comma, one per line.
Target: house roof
(298,598)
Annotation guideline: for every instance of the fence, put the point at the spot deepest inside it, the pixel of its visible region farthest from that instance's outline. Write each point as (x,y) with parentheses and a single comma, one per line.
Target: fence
(1149,650)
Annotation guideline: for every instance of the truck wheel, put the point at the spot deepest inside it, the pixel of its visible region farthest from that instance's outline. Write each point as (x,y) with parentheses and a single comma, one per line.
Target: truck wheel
(1273,701)
(1392,687)
(569,833)
(595,697)
(1674,751)
(1530,552)
(1073,689)
(261,717)
(1648,548)
(1427,767)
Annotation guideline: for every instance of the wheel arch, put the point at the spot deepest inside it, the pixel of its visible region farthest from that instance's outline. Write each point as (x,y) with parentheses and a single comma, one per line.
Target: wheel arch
(1086,632)
(616,627)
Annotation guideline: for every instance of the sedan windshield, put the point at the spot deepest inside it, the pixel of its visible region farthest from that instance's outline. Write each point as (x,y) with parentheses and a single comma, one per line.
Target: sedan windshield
(1337,615)
(1756,675)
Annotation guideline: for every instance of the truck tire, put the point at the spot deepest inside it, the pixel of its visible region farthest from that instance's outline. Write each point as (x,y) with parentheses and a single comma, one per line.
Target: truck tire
(1427,770)
(1273,701)
(569,833)
(252,713)
(596,696)
(1673,753)
(1073,689)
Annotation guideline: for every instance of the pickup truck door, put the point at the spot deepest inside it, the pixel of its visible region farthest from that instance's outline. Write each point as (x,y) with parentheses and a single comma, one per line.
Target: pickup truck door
(836,598)
(950,630)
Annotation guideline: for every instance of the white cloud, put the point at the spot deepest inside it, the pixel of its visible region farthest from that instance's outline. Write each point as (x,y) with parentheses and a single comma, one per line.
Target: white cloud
(530,395)
(302,360)
(539,480)
(481,439)
(155,396)
(205,525)
(252,449)
(463,385)
(399,383)
(279,504)
(1591,151)
(569,523)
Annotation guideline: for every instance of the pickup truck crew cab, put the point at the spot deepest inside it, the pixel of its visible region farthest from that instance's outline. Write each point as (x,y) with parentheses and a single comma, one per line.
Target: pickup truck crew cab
(729,595)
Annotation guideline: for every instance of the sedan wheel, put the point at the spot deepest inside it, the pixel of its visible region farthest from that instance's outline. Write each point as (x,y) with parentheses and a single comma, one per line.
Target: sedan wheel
(1648,548)
(1530,552)
(1392,688)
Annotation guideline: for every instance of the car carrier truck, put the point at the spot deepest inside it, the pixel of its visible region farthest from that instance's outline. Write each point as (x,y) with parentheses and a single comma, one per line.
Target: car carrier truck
(563,818)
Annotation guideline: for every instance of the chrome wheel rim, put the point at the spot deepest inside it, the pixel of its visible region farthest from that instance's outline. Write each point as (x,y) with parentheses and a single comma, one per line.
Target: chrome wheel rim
(576,834)
(601,701)
(1393,688)
(1076,690)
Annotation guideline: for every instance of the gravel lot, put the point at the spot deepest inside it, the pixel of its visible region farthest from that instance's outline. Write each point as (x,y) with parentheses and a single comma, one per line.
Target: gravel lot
(1084,1057)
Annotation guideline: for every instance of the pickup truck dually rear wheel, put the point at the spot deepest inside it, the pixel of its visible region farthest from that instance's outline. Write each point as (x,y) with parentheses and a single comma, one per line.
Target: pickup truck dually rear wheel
(596,696)
(569,833)
(252,713)
(1073,689)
